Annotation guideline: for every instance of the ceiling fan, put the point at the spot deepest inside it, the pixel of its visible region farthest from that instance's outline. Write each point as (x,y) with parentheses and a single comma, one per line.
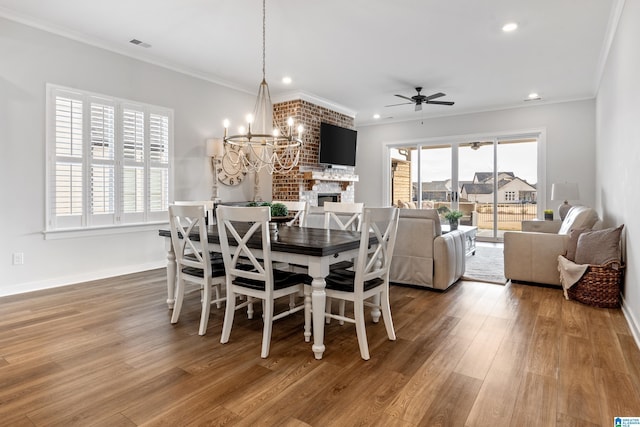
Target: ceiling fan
(420,99)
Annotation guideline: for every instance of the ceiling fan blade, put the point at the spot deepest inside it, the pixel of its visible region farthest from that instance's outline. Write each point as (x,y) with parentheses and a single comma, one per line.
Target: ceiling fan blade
(393,105)
(435,95)
(440,102)
(405,97)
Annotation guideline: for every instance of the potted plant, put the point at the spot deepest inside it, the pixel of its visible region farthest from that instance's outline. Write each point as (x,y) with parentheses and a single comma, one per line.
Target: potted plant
(277,209)
(453,217)
(548,214)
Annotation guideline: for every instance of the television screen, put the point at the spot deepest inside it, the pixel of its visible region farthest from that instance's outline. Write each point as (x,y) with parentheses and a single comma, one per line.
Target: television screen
(337,145)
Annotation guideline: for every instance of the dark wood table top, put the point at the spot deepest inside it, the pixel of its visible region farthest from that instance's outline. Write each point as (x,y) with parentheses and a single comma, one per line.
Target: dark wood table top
(298,240)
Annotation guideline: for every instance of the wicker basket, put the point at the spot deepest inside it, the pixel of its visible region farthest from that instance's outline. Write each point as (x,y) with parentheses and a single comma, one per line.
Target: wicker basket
(599,286)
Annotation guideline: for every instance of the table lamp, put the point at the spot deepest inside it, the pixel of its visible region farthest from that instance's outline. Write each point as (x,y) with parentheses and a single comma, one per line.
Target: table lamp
(564,191)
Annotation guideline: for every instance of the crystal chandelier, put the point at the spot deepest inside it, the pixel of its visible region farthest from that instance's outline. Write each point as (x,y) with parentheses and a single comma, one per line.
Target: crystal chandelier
(261,145)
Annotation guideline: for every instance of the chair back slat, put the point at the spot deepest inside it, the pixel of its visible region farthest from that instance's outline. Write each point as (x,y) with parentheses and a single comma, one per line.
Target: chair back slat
(187,221)
(245,224)
(344,216)
(383,224)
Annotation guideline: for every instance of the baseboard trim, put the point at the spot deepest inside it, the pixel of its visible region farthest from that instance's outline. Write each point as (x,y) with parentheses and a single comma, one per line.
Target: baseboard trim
(633,323)
(57,282)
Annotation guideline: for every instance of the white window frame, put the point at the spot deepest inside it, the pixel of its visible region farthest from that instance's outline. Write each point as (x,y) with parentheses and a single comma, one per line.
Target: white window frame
(157,130)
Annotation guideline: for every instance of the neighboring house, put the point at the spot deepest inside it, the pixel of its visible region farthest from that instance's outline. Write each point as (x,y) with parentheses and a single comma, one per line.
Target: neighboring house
(436,190)
(511,189)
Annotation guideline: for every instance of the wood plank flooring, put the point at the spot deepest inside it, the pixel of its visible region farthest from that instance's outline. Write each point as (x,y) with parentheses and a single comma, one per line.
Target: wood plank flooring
(103,353)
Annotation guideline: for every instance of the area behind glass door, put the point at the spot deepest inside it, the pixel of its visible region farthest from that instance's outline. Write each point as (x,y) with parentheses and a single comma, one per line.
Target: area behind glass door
(492,181)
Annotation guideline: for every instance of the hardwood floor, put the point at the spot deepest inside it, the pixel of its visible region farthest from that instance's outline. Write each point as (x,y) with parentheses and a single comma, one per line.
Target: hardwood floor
(104,353)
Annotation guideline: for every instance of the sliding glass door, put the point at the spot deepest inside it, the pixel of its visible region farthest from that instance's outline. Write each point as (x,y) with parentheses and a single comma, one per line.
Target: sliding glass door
(493,181)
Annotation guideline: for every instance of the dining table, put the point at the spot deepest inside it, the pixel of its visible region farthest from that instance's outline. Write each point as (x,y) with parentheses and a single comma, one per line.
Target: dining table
(315,248)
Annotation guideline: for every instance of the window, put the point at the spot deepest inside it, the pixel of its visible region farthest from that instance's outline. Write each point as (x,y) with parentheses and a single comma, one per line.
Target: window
(108,160)
(510,196)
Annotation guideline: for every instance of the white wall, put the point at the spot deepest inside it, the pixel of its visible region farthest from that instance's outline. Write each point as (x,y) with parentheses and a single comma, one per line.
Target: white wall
(31,58)
(570,143)
(618,150)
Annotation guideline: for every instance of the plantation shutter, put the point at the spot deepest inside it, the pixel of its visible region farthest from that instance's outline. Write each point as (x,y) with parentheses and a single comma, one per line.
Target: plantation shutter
(102,173)
(108,161)
(68,186)
(158,165)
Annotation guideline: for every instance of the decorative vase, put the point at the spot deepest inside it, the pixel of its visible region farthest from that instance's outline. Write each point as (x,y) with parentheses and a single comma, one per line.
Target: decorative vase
(453,224)
(548,216)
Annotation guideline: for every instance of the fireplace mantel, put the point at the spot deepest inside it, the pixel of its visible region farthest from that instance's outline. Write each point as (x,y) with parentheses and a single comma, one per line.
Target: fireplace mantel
(316,177)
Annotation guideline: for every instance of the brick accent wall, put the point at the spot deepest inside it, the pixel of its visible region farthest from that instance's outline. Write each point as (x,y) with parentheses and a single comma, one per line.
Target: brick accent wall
(292,185)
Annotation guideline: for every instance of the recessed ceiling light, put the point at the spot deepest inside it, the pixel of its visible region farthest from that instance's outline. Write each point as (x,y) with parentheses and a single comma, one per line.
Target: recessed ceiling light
(376,116)
(286,80)
(511,26)
(533,97)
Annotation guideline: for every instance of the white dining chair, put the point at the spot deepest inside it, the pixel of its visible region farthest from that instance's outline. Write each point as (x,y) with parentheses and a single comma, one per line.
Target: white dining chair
(370,278)
(208,206)
(193,261)
(246,250)
(209,220)
(343,216)
(300,210)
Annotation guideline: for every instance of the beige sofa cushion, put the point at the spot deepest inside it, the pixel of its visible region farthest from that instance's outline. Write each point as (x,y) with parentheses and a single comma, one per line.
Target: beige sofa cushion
(422,214)
(578,217)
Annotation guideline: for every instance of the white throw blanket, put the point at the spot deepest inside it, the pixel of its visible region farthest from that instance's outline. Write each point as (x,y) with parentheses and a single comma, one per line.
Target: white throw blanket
(570,273)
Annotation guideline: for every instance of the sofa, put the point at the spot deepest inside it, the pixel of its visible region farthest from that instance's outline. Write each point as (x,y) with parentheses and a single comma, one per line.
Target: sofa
(532,256)
(423,256)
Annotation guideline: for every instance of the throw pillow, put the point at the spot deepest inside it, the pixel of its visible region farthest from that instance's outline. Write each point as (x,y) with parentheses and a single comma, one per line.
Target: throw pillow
(572,244)
(599,247)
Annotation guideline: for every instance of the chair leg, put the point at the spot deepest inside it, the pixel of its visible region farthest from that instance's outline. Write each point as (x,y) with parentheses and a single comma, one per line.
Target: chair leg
(228,317)
(386,315)
(358,312)
(375,311)
(206,308)
(268,326)
(177,305)
(307,313)
(328,310)
(250,308)
(218,292)
(341,306)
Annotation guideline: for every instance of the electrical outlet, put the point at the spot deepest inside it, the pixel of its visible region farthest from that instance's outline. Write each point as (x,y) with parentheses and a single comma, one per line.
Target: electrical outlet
(18,258)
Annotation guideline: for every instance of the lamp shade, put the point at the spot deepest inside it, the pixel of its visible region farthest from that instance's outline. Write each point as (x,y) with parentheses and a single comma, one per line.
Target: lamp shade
(215,147)
(564,191)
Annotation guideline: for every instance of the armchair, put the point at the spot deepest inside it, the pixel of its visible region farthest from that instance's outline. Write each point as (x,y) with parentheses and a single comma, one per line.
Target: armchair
(533,256)
(423,256)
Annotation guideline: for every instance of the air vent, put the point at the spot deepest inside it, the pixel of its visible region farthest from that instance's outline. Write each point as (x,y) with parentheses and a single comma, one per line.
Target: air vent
(139,43)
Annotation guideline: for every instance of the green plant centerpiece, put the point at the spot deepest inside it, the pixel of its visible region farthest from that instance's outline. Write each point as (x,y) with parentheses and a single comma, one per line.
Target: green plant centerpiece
(453,216)
(278,213)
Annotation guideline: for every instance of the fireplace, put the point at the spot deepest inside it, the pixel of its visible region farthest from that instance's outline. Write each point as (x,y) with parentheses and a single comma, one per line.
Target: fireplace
(328,197)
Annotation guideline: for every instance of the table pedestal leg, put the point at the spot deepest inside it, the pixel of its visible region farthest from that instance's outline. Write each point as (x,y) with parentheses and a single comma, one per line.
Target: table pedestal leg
(318,300)
(171,275)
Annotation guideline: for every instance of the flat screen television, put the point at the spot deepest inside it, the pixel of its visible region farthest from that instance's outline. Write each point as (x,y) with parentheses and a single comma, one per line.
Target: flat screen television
(337,145)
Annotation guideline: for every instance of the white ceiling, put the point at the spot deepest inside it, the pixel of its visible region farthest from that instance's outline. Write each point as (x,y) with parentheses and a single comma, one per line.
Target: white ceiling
(357,53)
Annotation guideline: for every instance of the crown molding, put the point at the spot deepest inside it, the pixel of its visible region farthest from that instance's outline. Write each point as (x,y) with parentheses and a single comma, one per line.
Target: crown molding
(322,102)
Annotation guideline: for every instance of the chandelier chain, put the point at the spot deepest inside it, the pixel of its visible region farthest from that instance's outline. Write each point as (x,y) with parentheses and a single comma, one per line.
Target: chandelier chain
(264,32)
(252,150)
